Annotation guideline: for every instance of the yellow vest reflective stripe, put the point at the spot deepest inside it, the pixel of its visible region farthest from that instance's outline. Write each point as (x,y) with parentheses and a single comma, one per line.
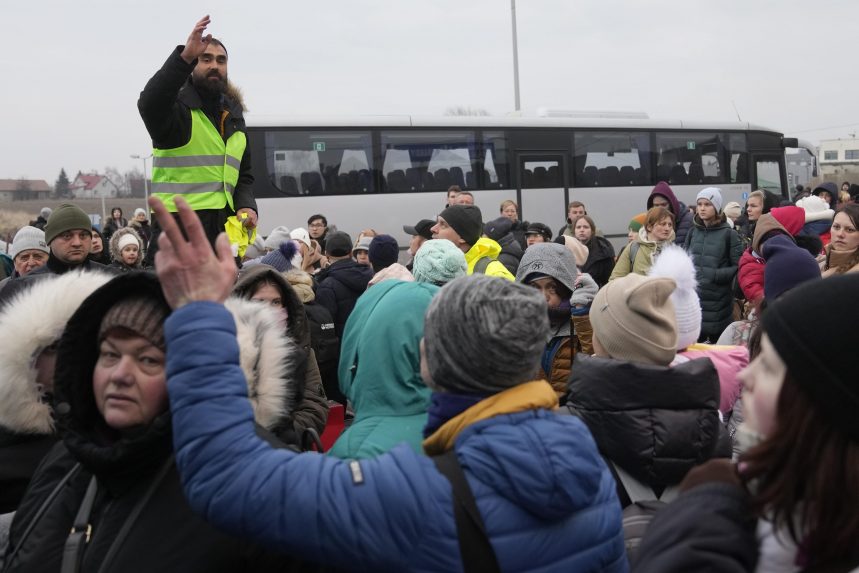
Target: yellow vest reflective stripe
(204,171)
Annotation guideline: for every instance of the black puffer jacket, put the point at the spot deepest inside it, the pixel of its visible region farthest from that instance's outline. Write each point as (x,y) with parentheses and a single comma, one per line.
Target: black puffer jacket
(716,253)
(511,252)
(656,422)
(600,260)
(134,473)
(340,285)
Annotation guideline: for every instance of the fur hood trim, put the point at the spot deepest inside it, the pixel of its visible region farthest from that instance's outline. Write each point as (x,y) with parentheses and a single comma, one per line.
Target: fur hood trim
(265,355)
(234,92)
(302,284)
(30,322)
(114,245)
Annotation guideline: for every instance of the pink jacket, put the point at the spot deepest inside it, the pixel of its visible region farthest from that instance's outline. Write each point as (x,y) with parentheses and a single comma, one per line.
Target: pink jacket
(729,362)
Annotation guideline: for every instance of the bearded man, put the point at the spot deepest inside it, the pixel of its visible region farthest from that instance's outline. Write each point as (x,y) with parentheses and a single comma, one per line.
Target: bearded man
(200,152)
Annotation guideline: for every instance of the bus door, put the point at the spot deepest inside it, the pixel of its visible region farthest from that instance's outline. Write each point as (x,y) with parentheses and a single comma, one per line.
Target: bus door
(768,172)
(542,186)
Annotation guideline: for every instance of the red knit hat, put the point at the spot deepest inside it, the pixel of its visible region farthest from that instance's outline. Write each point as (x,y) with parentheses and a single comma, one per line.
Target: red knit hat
(791,218)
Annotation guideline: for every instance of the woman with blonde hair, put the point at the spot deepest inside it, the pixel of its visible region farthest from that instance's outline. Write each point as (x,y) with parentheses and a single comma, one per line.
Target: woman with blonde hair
(510,210)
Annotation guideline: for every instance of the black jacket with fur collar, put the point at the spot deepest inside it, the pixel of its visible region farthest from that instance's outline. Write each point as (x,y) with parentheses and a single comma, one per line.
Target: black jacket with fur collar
(138,484)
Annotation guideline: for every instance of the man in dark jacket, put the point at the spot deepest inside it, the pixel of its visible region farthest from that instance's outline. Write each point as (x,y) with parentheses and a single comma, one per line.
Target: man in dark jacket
(69,237)
(663,196)
(194,79)
(343,281)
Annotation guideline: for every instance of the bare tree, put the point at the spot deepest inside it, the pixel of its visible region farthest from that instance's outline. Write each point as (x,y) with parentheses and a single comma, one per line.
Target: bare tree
(466,110)
(118,179)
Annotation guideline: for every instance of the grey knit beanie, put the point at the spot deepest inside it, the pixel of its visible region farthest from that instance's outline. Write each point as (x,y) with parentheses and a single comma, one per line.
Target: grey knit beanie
(438,262)
(550,259)
(26,239)
(277,236)
(484,334)
(140,314)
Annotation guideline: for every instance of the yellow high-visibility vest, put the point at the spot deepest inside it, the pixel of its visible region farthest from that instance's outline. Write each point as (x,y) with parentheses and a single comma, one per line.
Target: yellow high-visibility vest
(204,171)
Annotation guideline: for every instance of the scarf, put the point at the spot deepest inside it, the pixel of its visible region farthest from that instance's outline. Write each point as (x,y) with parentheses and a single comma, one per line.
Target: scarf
(444,406)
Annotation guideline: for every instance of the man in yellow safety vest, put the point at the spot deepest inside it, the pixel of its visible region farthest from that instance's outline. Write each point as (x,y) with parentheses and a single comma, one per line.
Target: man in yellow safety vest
(194,117)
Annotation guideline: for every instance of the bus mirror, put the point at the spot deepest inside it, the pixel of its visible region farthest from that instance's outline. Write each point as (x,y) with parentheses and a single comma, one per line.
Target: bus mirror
(789,142)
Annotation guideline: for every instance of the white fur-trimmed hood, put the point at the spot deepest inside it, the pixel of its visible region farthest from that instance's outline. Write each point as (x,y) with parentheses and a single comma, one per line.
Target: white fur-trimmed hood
(31,321)
(266,356)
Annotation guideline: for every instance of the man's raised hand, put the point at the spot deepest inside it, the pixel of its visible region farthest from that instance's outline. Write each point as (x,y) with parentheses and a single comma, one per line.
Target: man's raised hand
(188,269)
(197,42)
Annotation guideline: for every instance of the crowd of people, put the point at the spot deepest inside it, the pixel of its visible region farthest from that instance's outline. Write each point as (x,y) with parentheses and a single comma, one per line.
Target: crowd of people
(518,399)
(607,383)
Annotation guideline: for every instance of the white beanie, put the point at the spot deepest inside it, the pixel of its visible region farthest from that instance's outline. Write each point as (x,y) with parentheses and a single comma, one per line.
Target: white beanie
(675,263)
(713,195)
(139,211)
(276,237)
(301,234)
(816,209)
(28,238)
(127,239)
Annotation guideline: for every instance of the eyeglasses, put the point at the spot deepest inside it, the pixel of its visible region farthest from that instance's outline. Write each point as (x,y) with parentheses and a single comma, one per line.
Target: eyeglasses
(316,225)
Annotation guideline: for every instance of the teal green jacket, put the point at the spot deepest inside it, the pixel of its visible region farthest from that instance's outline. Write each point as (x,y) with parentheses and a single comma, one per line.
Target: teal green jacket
(380,370)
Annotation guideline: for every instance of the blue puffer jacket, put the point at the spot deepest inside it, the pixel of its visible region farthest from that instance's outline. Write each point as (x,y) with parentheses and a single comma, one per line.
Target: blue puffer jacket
(544,492)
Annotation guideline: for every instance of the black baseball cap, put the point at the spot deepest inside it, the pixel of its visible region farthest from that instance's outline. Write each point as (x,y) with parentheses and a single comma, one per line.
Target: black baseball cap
(422,228)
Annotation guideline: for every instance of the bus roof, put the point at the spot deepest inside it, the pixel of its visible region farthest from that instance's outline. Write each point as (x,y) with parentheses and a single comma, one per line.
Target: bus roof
(495,121)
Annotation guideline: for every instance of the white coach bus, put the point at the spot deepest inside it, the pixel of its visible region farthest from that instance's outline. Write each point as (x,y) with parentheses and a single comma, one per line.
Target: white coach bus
(384,172)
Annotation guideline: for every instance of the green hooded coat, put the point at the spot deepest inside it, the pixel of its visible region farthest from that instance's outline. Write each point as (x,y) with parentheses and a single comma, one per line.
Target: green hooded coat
(380,369)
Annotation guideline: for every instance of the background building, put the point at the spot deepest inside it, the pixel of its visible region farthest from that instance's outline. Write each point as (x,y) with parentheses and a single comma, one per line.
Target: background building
(839,160)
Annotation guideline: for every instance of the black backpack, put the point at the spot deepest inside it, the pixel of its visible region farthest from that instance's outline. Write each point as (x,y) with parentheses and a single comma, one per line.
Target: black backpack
(643,507)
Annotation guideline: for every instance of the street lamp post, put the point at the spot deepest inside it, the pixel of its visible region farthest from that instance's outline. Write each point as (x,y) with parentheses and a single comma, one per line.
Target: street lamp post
(515,57)
(145,180)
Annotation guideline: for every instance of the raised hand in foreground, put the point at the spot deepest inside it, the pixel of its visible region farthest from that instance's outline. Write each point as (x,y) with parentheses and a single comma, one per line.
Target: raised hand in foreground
(188,269)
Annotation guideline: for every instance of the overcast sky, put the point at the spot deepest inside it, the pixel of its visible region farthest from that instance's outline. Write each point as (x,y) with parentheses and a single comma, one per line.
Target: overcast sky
(72,71)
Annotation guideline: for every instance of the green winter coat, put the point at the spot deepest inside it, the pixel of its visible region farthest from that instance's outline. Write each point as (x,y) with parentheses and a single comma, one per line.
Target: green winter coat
(643,257)
(716,253)
(380,369)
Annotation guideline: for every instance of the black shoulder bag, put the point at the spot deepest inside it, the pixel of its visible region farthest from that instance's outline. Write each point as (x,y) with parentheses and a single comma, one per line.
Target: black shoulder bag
(474,546)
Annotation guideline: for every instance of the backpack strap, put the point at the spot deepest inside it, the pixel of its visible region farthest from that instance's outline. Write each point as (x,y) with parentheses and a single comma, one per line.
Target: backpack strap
(42,509)
(76,542)
(481,265)
(474,546)
(633,251)
(638,491)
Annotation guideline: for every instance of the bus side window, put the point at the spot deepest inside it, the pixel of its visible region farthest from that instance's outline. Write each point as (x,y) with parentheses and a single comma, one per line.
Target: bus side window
(611,158)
